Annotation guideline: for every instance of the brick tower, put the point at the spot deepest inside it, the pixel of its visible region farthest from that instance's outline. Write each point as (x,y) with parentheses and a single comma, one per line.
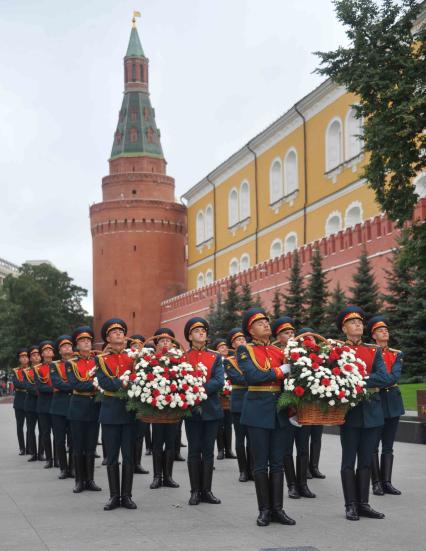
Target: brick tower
(138,230)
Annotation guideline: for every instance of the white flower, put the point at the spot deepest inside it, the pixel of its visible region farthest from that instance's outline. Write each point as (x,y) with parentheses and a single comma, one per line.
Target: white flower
(331,402)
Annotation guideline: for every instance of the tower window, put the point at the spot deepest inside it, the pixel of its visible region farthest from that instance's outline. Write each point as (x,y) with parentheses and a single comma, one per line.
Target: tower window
(142,75)
(134,192)
(133,135)
(134,247)
(134,314)
(133,72)
(115,282)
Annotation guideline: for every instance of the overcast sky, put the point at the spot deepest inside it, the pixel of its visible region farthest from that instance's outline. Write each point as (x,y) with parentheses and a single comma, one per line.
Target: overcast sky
(220,72)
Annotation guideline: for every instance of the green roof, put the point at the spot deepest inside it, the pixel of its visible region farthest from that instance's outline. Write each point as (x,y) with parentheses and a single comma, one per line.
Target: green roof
(134,48)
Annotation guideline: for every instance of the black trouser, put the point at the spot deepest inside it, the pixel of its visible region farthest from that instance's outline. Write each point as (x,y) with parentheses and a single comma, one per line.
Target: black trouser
(164,436)
(316,433)
(119,438)
(298,435)
(61,429)
(201,437)
(241,432)
(267,447)
(358,445)
(31,417)
(20,420)
(84,436)
(387,434)
(225,428)
(45,427)
(178,438)
(147,436)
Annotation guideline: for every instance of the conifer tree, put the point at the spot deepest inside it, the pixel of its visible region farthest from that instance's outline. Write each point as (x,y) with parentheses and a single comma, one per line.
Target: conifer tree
(335,305)
(216,318)
(316,294)
(246,298)
(231,307)
(277,305)
(294,299)
(365,291)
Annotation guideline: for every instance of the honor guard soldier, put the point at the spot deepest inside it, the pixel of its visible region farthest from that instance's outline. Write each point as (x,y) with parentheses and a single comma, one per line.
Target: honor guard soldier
(45,391)
(163,434)
(30,404)
(118,424)
(201,427)
(393,408)
(234,339)
(224,432)
(262,365)
(363,422)
(136,342)
(60,405)
(18,379)
(83,411)
(283,328)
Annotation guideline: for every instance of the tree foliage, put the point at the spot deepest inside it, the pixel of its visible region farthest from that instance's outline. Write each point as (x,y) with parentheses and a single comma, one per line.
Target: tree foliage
(335,305)
(365,291)
(294,297)
(384,65)
(316,294)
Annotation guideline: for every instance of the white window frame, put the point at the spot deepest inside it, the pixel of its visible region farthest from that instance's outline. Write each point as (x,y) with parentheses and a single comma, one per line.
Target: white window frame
(231,221)
(232,261)
(273,199)
(279,242)
(418,181)
(352,154)
(328,168)
(333,214)
(200,227)
(209,277)
(289,236)
(354,204)
(285,164)
(244,215)
(208,232)
(200,280)
(242,258)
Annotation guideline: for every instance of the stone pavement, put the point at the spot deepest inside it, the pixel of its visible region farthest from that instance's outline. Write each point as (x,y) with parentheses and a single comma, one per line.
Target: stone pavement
(38,512)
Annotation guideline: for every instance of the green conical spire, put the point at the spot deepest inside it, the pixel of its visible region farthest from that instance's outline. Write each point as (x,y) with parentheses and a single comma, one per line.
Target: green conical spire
(134,48)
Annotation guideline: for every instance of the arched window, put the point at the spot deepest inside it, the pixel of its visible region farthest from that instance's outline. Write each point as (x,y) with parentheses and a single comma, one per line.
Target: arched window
(275,181)
(276,248)
(233,207)
(333,145)
(233,267)
(200,227)
(290,242)
(244,262)
(420,185)
(290,172)
(244,201)
(200,280)
(209,277)
(334,223)
(353,214)
(209,222)
(353,140)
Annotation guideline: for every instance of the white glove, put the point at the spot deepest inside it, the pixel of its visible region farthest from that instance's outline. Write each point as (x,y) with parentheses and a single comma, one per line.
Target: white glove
(293,421)
(285,368)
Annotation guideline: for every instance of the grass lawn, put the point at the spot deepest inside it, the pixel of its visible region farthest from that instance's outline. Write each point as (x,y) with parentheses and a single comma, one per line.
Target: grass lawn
(409,394)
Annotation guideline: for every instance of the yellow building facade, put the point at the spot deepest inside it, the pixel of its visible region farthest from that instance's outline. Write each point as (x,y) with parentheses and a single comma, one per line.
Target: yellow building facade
(294,183)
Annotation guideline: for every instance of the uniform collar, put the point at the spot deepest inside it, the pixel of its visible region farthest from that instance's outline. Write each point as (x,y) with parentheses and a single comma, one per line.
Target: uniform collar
(202,349)
(260,343)
(353,343)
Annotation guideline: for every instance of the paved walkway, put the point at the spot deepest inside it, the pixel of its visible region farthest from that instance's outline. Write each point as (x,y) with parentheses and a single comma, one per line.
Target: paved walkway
(38,512)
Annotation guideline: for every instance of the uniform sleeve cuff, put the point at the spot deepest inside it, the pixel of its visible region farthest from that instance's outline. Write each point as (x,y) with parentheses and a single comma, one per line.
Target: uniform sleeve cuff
(279,375)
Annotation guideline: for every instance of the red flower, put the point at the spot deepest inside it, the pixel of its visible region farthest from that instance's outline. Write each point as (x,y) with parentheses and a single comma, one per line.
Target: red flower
(184,372)
(195,388)
(150,376)
(362,372)
(174,360)
(336,371)
(333,356)
(197,401)
(299,391)
(346,349)
(164,350)
(153,362)
(184,405)
(155,393)
(173,387)
(154,403)
(168,398)
(358,389)
(315,366)
(342,394)
(147,358)
(295,356)
(158,355)
(347,367)
(182,396)
(338,350)
(132,376)
(185,386)
(325,381)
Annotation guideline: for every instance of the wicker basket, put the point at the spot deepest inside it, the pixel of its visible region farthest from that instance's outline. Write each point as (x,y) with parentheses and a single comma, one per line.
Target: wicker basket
(225,402)
(161,417)
(312,414)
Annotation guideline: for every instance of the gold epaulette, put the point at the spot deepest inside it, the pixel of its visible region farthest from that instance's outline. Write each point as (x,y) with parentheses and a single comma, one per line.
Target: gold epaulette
(395,350)
(211,350)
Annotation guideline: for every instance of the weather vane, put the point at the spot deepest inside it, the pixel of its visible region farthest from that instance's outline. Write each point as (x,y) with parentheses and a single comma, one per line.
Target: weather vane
(135,14)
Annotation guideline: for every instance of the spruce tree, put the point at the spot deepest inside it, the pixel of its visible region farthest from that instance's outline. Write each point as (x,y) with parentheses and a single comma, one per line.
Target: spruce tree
(335,305)
(294,299)
(246,298)
(365,291)
(316,294)
(216,318)
(277,304)
(231,307)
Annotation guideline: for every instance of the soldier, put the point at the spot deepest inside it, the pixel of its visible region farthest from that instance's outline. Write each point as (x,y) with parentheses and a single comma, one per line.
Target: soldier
(30,404)
(45,391)
(201,428)
(359,433)
(60,405)
(224,432)
(118,424)
(136,342)
(264,369)
(234,339)
(18,379)
(83,411)
(163,434)
(393,408)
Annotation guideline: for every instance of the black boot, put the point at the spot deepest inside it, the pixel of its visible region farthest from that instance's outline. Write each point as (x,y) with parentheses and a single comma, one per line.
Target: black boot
(314,456)
(33,458)
(220,441)
(157,463)
(48,452)
(55,455)
(168,458)
(40,456)
(138,458)
(261,483)
(375,476)
(113,472)
(206,488)
(194,470)
(349,492)
(363,486)
(80,470)
(242,463)
(276,492)
(90,474)
(62,458)
(302,483)
(179,456)
(386,474)
(250,463)
(104,455)
(290,475)
(126,487)
(229,454)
